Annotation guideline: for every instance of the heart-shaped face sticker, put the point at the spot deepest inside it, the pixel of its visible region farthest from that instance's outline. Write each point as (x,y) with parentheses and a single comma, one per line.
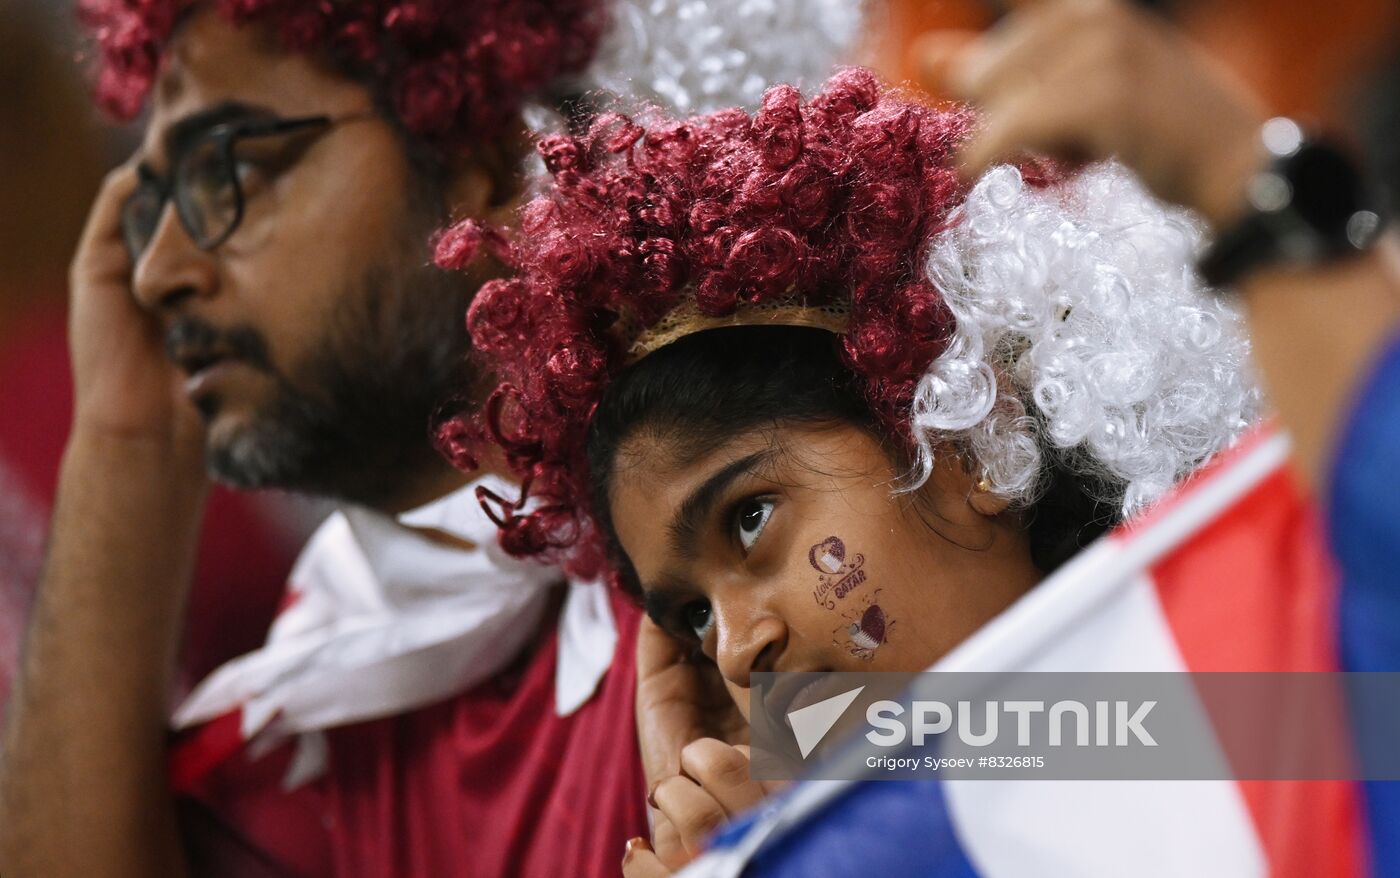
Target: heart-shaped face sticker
(827,556)
(872,624)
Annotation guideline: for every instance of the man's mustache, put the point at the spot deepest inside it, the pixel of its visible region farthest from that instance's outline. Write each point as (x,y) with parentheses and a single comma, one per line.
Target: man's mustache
(192,340)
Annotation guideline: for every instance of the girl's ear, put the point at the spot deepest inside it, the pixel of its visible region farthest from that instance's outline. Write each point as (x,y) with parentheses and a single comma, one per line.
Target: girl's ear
(985,502)
(954,474)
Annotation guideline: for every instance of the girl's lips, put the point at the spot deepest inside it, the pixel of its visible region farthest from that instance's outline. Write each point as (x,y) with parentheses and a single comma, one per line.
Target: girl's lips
(793,694)
(808,695)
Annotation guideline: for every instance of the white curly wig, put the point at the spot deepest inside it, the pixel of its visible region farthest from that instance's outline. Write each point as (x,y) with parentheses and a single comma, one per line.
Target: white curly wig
(697,56)
(1083,338)
(690,57)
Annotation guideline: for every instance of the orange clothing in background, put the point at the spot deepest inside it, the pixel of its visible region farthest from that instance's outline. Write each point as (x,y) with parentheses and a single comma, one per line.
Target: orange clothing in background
(1300,56)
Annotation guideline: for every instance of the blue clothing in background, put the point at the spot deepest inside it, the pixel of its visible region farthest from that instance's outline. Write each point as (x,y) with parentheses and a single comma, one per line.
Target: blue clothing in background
(1364,523)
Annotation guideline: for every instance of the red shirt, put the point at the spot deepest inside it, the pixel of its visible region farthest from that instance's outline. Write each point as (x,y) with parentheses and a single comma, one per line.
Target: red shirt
(488,784)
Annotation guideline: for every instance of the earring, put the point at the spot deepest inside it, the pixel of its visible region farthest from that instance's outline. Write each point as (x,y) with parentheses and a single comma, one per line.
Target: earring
(984,486)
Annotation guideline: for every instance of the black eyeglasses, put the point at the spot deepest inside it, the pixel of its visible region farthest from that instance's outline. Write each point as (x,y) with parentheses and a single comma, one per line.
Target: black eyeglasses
(206,183)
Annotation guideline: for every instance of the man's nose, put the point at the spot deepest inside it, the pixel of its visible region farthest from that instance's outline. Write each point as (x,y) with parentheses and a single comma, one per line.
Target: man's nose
(172,268)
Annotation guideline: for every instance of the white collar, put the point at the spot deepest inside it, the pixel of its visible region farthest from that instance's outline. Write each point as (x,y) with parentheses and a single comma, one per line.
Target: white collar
(382,620)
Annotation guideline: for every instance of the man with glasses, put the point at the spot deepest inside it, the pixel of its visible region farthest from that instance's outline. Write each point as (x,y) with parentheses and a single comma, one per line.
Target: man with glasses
(254,296)
(48,174)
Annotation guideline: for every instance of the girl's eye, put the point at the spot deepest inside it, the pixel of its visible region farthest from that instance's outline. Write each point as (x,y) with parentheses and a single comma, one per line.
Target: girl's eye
(699,618)
(752,517)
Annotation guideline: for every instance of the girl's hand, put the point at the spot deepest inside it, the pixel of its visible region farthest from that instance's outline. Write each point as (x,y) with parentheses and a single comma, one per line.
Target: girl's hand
(680,702)
(640,861)
(712,788)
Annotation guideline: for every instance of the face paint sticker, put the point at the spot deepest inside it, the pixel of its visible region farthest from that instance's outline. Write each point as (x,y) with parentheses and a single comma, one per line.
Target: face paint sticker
(838,574)
(867,629)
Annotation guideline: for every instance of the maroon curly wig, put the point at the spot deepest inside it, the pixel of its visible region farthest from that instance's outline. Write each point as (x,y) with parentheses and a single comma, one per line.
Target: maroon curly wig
(828,201)
(454,71)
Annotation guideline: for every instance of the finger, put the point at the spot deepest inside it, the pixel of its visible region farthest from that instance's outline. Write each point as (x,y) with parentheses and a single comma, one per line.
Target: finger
(670,701)
(1022,50)
(769,787)
(1022,5)
(102,256)
(104,218)
(693,812)
(665,722)
(935,55)
(656,650)
(1035,120)
(998,141)
(666,842)
(723,772)
(639,861)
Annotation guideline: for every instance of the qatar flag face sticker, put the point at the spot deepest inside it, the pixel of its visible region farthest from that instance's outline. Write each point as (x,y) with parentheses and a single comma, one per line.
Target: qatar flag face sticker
(838,574)
(867,628)
(828,555)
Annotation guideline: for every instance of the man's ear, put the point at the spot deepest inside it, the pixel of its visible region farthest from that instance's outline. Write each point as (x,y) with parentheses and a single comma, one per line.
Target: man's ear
(486,183)
(470,190)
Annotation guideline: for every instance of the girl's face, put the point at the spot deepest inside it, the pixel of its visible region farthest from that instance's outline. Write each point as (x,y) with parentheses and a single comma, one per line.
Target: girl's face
(786,550)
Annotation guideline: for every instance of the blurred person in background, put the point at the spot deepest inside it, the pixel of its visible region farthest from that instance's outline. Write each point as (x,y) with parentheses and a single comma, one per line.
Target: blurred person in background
(1301,58)
(1298,220)
(254,298)
(52,154)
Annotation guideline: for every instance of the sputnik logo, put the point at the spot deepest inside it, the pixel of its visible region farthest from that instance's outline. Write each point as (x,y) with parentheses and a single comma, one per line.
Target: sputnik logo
(811,723)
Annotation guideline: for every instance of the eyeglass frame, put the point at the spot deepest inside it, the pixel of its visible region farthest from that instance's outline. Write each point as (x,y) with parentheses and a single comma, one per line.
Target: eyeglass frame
(227,135)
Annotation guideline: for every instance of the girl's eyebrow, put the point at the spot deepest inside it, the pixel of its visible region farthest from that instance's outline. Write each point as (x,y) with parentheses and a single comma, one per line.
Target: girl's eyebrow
(685,526)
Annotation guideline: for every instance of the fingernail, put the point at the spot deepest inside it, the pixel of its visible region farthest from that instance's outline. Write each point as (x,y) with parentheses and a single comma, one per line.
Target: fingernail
(651,794)
(634,845)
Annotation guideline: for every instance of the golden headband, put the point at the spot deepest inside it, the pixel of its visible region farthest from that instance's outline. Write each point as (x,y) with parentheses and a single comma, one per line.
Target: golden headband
(686,319)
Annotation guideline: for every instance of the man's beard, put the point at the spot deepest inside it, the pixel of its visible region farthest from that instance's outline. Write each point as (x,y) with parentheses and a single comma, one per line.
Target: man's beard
(355,424)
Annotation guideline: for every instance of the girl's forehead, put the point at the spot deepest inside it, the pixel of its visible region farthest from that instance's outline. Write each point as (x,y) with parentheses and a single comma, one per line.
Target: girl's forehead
(658,502)
(679,453)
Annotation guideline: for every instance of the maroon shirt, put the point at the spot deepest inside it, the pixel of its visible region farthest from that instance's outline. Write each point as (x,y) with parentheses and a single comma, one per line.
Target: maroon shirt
(488,784)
